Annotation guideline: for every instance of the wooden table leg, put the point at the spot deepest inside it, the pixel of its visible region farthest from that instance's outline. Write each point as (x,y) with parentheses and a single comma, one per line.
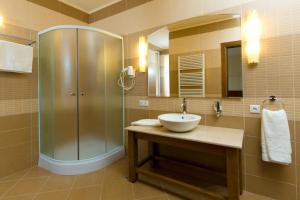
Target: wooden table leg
(232,171)
(132,156)
(153,148)
(241,172)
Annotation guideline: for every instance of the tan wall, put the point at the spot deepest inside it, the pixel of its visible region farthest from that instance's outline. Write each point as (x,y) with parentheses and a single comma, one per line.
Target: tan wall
(18,92)
(32,16)
(278,73)
(18,111)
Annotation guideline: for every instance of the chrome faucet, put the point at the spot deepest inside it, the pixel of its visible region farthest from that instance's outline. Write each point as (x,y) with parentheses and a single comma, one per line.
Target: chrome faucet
(218,108)
(184,106)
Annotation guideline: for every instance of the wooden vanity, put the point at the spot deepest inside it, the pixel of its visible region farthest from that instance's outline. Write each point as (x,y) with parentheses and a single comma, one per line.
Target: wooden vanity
(225,142)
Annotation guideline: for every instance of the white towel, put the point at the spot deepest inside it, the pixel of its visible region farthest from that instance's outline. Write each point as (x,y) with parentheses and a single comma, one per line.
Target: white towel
(15,57)
(275,137)
(146,122)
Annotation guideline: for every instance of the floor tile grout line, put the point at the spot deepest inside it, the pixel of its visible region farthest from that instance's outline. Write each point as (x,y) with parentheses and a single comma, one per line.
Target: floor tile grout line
(59,190)
(70,190)
(18,181)
(153,196)
(101,189)
(132,188)
(165,195)
(164,189)
(102,182)
(36,194)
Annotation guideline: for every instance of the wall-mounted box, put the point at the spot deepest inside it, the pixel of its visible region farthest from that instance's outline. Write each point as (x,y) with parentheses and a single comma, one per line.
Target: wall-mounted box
(15,57)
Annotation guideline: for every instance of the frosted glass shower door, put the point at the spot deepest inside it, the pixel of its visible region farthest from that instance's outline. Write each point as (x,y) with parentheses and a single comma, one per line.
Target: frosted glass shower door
(100,101)
(91,87)
(81,105)
(58,94)
(114,93)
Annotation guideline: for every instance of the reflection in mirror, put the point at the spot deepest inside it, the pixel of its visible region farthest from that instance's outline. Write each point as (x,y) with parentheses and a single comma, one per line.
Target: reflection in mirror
(232,85)
(184,58)
(158,63)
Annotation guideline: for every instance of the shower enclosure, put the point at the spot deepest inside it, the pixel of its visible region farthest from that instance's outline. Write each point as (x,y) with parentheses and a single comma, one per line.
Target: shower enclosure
(80,103)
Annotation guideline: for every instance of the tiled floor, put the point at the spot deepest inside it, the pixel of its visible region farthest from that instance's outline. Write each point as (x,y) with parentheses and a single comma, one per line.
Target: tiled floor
(107,184)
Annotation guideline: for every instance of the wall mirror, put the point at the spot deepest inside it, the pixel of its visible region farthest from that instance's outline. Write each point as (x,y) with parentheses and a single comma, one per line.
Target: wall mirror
(197,57)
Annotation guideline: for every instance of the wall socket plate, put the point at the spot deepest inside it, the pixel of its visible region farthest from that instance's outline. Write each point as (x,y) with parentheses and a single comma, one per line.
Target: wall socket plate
(143,103)
(254,108)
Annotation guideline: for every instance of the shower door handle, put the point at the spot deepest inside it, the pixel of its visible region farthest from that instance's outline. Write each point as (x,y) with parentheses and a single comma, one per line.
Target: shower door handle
(72,93)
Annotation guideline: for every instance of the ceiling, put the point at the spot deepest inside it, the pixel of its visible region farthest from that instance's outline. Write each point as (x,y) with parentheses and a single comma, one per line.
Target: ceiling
(160,38)
(89,6)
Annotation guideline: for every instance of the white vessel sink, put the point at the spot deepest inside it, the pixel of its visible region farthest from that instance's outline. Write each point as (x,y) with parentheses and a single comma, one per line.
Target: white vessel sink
(178,122)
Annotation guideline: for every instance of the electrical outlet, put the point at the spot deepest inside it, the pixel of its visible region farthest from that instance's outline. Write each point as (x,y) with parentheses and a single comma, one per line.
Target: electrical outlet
(143,103)
(254,108)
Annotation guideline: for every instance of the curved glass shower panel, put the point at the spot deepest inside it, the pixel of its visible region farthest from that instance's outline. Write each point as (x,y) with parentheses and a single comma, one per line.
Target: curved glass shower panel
(57,94)
(81,105)
(91,87)
(114,98)
(100,100)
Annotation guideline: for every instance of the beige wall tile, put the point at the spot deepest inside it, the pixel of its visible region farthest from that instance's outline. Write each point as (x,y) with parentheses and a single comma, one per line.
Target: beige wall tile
(15,137)
(18,93)
(283,173)
(141,85)
(270,188)
(224,121)
(252,146)
(135,114)
(15,122)
(15,158)
(252,126)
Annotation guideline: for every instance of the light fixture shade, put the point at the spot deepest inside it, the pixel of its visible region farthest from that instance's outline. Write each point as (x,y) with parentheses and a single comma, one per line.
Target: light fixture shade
(142,54)
(1,20)
(252,36)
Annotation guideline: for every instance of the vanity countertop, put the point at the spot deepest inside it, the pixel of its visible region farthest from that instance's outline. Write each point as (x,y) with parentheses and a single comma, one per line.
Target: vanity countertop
(227,137)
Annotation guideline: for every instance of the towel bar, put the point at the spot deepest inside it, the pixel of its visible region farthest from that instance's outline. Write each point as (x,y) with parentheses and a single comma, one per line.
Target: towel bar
(273,99)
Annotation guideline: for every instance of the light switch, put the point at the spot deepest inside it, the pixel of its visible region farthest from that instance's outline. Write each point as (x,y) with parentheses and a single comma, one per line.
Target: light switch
(143,103)
(254,108)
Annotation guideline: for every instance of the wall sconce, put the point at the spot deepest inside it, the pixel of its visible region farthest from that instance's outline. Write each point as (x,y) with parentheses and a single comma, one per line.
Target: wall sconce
(252,33)
(142,54)
(1,21)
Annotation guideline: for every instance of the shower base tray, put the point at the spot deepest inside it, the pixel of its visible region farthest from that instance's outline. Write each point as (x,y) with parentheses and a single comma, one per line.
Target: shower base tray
(81,166)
